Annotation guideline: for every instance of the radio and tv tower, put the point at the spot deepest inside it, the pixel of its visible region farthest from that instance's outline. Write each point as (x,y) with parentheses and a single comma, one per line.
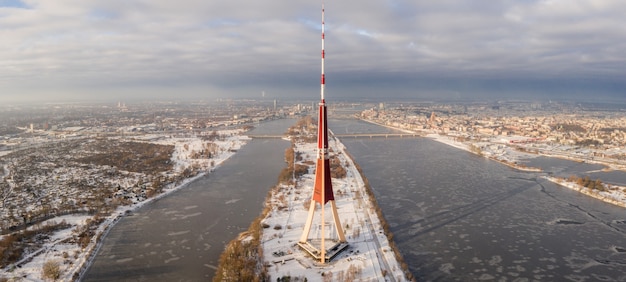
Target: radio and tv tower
(322,188)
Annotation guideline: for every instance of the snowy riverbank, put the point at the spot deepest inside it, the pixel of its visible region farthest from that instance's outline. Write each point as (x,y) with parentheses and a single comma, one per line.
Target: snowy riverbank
(370,255)
(500,152)
(72,260)
(497,152)
(615,195)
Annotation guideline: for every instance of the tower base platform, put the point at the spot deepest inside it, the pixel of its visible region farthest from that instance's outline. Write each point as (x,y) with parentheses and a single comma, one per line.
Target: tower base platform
(316,253)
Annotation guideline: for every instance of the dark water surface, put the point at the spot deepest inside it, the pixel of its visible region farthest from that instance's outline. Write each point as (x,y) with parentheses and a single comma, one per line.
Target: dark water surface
(459,217)
(454,215)
(566,168)
(180,237)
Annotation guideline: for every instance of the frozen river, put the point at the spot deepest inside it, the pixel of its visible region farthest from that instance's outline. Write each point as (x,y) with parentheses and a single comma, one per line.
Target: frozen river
(180,237)
(457,216)
(454,215)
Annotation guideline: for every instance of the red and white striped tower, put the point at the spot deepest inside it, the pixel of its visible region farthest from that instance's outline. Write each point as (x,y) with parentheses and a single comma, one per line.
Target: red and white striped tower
(323,189)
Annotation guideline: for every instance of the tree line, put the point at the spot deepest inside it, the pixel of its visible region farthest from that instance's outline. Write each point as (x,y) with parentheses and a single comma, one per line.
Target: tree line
(588,183)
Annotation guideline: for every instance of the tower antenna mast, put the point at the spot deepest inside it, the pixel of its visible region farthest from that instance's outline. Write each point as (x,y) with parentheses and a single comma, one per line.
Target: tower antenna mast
(323,78)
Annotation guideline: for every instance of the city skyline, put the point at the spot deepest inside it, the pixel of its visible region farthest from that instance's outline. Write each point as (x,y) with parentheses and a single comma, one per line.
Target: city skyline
(448,49)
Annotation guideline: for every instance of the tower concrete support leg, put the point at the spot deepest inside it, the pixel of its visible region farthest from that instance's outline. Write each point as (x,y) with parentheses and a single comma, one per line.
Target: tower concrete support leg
(307,225)
(340,234)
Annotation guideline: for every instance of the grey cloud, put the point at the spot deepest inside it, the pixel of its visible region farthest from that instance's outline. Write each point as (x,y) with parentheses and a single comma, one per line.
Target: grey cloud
(248,46)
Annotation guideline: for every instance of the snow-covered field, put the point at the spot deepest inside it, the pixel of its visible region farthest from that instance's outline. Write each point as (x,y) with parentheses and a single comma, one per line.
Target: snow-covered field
(73,259)
(369,256)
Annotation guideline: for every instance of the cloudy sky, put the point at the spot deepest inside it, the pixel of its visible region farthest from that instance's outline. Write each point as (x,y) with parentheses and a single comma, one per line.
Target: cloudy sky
(81,49)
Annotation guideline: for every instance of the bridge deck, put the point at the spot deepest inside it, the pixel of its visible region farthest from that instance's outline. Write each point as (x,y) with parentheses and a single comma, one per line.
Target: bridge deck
(348,135)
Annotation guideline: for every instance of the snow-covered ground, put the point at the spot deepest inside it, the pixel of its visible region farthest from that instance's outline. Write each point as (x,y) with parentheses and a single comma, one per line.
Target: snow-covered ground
(494,150)
(615,195)
(369,256)
(71,257)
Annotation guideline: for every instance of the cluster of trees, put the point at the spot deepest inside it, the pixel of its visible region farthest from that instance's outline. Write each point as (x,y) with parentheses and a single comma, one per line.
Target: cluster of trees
(475,149)
(291,154)
(213,136)
(208,151)
(303,126)
(337,170)
(134,157)
(51,270)
(588,142)
(304,130)
(292,169)
(13,246)
(587,182)
(84,234)
(242,260)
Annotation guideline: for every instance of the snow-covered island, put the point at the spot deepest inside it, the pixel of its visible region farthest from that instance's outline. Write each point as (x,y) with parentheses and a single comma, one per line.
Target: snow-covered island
(612,194)
(269,249)
(369,257)
(60,198)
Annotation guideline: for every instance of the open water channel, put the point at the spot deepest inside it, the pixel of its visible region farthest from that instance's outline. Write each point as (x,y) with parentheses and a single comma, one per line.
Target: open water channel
(180,237)
(458,216)
(454,215)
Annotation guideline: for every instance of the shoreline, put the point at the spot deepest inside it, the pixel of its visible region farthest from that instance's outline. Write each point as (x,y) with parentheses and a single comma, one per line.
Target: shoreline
(599,195)
(74,267)
(129,209)
(381,218)
(92,253)
(388,126)
(445,139)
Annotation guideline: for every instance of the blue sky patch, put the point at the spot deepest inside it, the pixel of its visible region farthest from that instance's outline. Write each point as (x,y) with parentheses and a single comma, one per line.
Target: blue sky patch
(13,4)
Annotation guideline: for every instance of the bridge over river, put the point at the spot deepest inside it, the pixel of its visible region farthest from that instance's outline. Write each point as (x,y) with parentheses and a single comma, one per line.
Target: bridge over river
(349,135)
